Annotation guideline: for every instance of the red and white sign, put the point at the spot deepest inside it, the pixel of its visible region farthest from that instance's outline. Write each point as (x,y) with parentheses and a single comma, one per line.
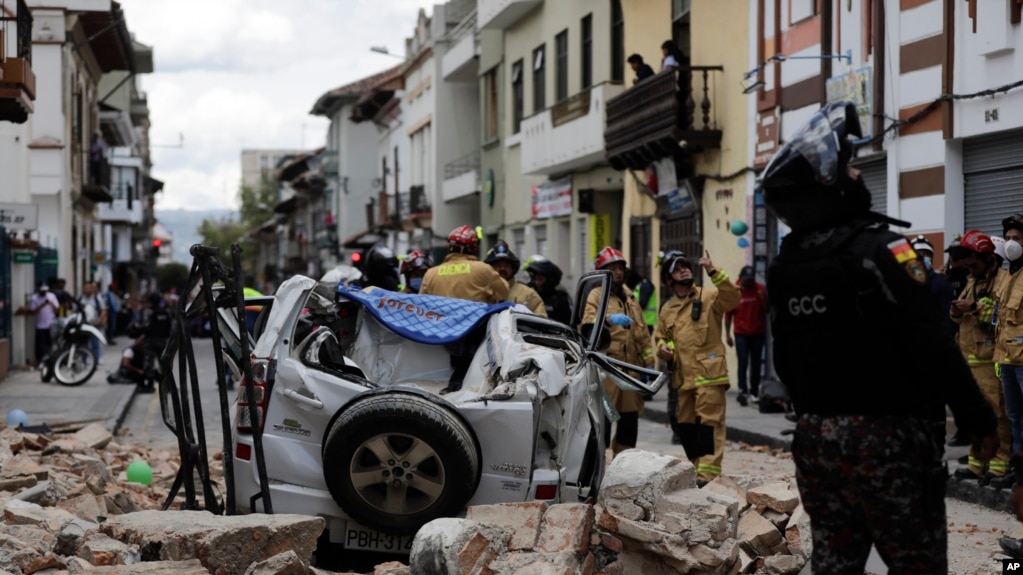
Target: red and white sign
(553,198)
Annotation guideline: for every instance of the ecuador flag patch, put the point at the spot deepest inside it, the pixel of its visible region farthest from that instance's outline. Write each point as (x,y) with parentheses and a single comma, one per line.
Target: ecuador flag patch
(902,251)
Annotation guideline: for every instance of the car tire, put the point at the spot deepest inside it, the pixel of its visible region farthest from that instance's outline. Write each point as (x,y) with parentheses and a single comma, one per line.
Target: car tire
(396,461)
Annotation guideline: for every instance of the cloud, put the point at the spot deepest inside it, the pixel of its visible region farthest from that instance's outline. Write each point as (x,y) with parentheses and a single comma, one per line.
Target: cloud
(234,74)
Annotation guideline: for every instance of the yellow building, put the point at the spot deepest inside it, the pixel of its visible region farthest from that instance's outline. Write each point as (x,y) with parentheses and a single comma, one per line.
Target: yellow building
(683,137)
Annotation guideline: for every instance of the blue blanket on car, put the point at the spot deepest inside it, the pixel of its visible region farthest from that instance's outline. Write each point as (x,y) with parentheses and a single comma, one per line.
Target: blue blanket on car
(422,318)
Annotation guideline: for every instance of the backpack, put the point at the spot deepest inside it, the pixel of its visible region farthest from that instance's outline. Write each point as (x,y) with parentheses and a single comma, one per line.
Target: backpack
(773,397)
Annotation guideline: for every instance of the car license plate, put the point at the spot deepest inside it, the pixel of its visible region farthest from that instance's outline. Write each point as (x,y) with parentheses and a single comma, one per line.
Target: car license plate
(362,538)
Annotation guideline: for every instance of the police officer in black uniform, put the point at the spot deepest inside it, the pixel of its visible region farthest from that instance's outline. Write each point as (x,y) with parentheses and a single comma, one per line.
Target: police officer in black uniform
(157,320)
(380,268)
(865,361)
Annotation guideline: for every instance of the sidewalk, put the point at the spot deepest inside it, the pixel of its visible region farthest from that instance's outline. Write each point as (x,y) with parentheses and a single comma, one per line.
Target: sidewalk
(748,425)
(55,404)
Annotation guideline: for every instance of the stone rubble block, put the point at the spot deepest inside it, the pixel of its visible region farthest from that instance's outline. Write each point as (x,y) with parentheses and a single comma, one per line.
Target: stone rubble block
(522,519)
(17,512)
(641,477)
(797,533)
(99,549)
(561,563)
(95,436)
(78,566)
(566,527)
(725,485)
(224,545)
(783,564)
(777,496)
(758,532)
(779,520)
(86,506)
(287,563)
(706,516)
(392,568)
(71,535)
(457,546)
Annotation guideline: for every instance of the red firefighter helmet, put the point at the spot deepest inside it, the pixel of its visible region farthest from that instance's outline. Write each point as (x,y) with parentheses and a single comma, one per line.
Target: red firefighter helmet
(415,261)
(977,241)
(464,239)
(608,255)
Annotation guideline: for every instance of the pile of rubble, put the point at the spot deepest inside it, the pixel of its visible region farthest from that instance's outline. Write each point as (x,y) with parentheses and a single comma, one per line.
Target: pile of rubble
(68,508)
(651,518)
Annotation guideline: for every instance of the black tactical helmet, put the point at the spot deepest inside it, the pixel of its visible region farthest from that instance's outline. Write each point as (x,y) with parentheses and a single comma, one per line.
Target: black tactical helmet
(670,263)
(501,252)
(806,184)
(539,265)
(381,267)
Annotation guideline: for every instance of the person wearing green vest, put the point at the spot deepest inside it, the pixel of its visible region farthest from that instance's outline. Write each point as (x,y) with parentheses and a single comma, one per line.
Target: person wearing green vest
(646,295)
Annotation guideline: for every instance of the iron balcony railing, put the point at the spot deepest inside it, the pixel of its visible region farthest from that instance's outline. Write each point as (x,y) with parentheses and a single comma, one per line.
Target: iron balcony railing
(647,121)
(467,163)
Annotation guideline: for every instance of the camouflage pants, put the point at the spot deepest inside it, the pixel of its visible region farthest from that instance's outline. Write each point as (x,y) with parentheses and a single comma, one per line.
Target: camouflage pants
(872,479)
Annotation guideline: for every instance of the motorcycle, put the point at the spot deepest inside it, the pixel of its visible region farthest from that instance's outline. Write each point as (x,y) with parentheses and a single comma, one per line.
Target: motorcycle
(70,360)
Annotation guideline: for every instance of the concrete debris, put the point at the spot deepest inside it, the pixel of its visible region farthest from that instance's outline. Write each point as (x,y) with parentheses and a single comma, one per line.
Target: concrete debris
(68,508)
(650,518)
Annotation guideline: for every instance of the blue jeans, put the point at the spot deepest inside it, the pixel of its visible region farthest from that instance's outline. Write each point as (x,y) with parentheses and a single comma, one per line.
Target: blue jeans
(1012,387)
(750,349)
(96,347)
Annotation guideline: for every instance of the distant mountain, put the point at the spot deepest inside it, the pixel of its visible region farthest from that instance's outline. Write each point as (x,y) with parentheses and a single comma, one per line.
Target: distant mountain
(184,224)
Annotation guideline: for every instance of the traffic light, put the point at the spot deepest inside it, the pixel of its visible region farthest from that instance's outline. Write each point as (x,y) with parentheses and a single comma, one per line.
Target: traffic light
(356,259)
(154,251)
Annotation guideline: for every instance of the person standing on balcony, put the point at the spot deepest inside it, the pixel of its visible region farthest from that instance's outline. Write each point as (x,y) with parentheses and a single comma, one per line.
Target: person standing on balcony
(97,151)
(672,55)
(641,68)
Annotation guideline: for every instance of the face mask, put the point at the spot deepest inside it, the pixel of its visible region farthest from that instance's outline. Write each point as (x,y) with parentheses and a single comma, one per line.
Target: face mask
(1013,250)
(927,263)
(415,283)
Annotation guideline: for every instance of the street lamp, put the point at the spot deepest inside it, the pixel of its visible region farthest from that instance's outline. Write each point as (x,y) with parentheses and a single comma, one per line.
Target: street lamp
(383,50)
(748,88)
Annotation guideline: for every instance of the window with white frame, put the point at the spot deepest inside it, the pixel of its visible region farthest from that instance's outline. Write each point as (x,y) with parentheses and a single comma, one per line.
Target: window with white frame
(801,10)
(518,241)
(540,231)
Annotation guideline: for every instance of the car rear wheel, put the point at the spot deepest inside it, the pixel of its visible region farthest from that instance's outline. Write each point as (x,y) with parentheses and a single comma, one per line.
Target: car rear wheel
(394,462)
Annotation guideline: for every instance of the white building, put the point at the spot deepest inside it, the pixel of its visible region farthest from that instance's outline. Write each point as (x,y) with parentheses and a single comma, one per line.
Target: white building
(258,164)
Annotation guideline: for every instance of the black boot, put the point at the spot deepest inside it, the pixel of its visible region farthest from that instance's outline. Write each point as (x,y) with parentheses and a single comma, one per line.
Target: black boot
(742,399)
(1001,481)
(1012,547)
(965,473)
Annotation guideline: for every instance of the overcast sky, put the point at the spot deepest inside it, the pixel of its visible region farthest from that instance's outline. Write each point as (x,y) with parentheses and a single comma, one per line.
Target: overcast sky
(233,74)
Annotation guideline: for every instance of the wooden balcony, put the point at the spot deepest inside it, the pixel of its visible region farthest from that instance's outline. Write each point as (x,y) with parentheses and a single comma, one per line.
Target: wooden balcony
(17,90)
(657,118)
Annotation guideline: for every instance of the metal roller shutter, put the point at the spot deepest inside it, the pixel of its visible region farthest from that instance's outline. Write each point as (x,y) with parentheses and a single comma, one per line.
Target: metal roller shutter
(991,196)
(874,170)
(993,173)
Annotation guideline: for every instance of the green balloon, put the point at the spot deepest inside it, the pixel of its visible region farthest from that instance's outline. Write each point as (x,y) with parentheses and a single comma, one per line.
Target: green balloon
(739,227)
(140,472)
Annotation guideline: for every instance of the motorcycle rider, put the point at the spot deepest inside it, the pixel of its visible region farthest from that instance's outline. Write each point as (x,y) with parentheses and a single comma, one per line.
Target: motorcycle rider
(689,337)
(868,463)
(545,278)
(463,275)
(380,268)
(414,267)
(972,311)
(630,342)
(504,261)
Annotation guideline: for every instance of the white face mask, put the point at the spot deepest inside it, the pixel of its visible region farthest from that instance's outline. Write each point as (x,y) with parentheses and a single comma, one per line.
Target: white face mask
(1013,250)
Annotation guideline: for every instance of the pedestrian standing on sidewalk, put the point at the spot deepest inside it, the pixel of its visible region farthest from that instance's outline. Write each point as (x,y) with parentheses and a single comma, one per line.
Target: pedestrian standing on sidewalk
(630,342)
(44,306)
(95,309)
(750,328)
(1009,328)
(688,337)
(868,463)
(973,311)
(113,309)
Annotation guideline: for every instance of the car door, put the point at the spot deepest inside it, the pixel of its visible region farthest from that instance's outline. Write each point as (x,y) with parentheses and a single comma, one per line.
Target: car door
(592,332)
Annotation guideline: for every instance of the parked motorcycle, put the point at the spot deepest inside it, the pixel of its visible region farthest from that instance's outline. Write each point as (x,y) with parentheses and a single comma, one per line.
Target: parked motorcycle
(70,360)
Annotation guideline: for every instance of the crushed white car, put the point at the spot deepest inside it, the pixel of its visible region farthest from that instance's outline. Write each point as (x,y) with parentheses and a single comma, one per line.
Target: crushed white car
(346,385)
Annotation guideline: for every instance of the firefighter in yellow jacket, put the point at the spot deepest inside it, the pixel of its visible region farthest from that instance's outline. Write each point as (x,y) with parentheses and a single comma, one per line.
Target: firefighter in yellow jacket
(462,274)
(689,337)
(630,342)
(506,264)
(972,310)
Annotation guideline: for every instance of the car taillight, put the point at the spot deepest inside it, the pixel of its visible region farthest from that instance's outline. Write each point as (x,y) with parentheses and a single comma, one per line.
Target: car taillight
(243,452)
(546,492)
(260,367)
